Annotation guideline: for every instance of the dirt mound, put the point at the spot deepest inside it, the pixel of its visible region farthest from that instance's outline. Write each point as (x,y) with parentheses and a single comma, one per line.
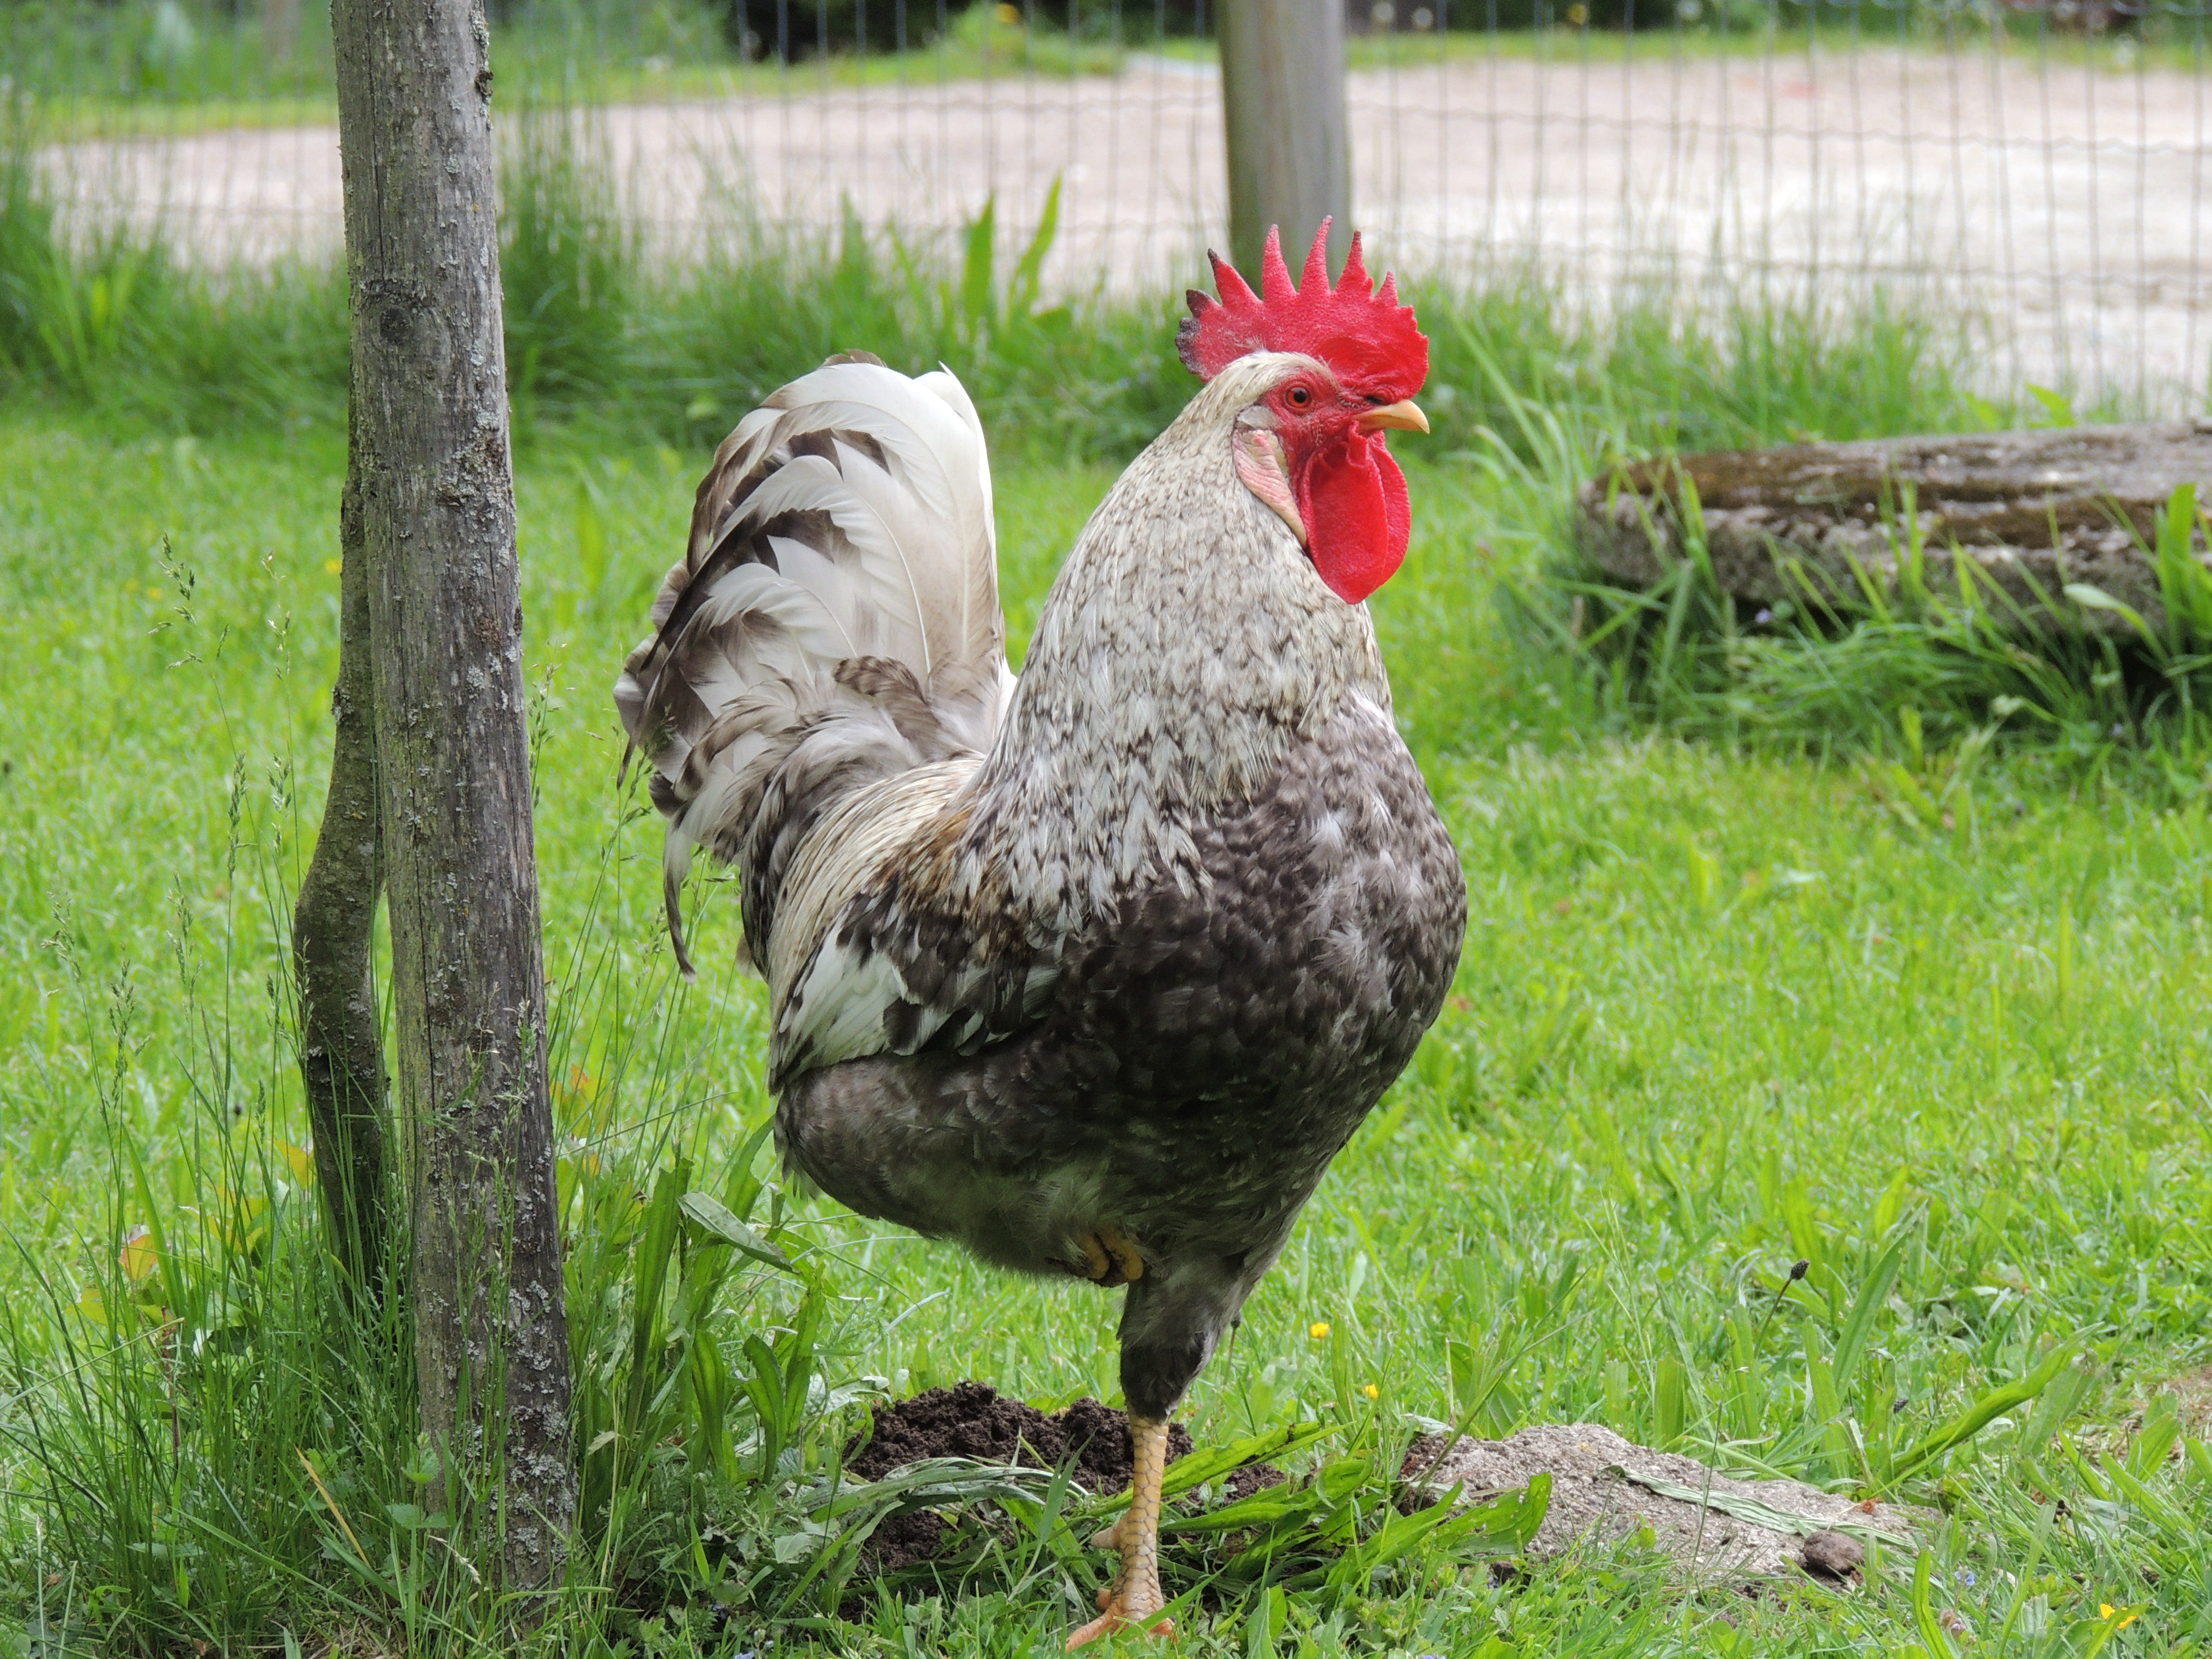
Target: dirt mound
(1253,1477)
(970,1419)
(905,1541)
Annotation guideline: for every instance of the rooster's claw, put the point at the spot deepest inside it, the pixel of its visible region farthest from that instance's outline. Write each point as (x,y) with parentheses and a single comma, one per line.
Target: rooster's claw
(1109,1258)
(1106,1624)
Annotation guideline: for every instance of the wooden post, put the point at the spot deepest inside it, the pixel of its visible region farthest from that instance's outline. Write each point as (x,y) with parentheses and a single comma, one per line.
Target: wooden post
(1289,158)
(436,498)
(280,29)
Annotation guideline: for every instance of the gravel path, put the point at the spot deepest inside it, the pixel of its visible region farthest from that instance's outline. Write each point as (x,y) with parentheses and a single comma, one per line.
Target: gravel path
(2063,206)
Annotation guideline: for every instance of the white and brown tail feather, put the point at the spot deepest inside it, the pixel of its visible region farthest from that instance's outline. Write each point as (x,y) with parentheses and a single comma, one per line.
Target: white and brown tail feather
(834,622)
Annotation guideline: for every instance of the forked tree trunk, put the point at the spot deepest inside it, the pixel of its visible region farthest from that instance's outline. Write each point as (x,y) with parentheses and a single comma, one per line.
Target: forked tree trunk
(333,938)
(437,515)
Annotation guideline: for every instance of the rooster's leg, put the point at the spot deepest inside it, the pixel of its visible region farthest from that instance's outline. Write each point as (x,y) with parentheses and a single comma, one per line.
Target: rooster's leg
(1135,1596)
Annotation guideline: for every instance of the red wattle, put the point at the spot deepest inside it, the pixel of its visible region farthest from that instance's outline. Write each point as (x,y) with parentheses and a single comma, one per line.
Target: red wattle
(1352,499)
(1395,507)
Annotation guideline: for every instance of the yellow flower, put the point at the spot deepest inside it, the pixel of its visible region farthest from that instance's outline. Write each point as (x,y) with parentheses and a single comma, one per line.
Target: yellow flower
(1318,1329)
(331,567)
(2105,1609)
(576,1097)
(137,1257)
(1372,1392)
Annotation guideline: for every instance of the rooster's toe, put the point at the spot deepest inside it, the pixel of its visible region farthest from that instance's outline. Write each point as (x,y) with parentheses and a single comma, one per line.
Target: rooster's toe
(1110,1257)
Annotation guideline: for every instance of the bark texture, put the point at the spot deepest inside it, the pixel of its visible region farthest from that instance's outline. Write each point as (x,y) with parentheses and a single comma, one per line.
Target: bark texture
(333,938)
(2030,511)
(1290,154)
(437,515)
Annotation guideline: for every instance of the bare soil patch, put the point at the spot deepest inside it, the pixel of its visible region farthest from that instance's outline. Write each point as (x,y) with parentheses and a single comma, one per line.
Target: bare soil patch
(1606,1489)
(2194,1391)
(972,1419)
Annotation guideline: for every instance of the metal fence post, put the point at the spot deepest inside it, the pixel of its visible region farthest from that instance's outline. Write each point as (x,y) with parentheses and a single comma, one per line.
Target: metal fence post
(1289,158)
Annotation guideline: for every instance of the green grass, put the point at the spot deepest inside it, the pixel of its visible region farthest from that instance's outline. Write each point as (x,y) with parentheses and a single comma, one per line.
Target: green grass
(1724,1007)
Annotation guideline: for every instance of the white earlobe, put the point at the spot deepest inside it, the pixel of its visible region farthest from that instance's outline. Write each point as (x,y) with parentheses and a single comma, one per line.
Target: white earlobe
(1260,465)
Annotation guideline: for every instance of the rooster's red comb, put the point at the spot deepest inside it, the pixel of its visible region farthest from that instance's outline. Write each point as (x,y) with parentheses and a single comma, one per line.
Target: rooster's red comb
(1362,333)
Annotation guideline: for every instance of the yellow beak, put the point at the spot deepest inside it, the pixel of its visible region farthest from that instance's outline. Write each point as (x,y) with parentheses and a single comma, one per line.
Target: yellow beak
(1404,416)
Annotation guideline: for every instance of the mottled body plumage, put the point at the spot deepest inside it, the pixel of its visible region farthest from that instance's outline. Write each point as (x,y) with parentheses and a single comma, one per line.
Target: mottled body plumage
(1138,950)
(1207,1046)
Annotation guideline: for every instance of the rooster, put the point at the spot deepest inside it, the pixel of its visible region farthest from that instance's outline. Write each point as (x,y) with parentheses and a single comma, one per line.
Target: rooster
(1092,971)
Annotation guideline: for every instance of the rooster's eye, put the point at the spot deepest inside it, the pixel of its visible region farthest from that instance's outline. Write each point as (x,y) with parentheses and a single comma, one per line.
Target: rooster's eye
(1299,396)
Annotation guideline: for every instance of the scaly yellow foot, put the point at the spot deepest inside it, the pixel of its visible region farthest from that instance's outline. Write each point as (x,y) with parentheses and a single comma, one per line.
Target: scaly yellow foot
(1135,1597)
(1109,1258)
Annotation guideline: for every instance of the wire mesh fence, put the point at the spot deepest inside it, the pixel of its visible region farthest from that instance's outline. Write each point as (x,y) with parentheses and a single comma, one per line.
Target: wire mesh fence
(2032,171)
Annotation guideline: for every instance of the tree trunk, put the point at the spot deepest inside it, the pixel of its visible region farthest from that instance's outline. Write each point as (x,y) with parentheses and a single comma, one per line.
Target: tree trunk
(437,514)
(333,938)
(1289,159)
